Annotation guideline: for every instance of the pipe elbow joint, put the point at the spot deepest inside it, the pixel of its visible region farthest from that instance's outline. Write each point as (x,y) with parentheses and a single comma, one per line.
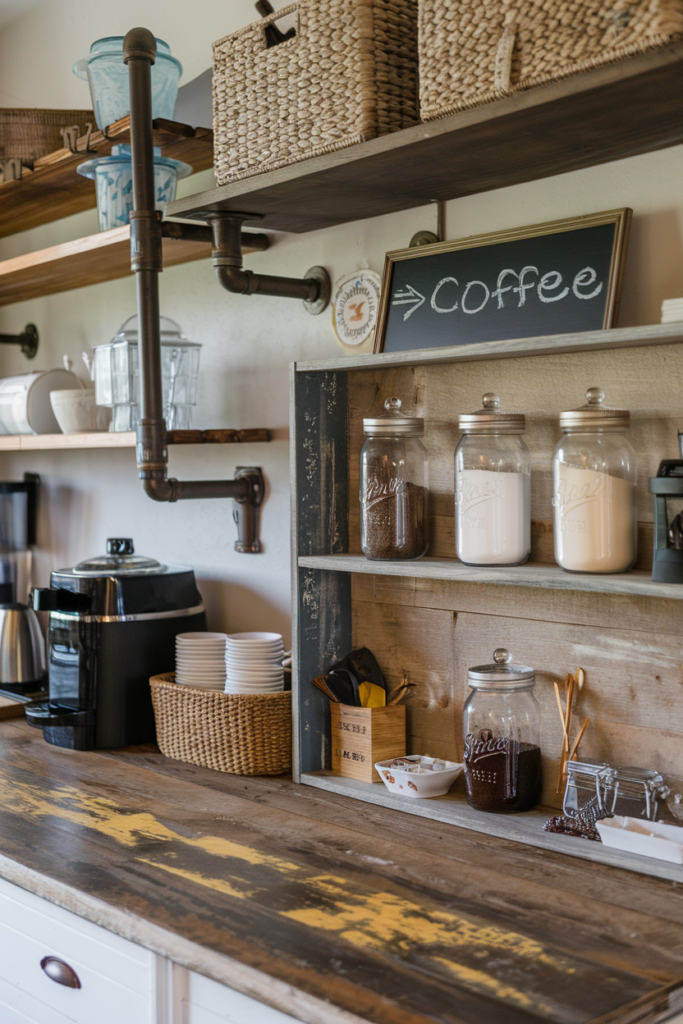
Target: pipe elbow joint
(161,489)
(235,280)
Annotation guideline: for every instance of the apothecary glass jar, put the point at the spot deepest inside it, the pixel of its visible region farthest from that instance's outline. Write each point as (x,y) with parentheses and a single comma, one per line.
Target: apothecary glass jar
(394,496)
(492,487)
(501,729)
(594,489)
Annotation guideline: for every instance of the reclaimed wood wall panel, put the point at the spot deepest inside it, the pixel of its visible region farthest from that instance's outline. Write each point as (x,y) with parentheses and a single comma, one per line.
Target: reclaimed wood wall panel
(648,381)
(630,647)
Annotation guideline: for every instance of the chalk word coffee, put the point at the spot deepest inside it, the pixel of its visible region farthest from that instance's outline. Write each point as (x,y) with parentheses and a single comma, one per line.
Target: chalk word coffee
(554,278)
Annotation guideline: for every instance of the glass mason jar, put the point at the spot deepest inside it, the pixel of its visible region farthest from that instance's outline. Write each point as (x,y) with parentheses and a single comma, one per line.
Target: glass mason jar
(501,729)
(394,495)
(492,487)
(594,489)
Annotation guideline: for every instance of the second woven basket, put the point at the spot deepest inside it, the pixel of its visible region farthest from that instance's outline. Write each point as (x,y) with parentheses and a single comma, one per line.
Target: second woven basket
(237,733)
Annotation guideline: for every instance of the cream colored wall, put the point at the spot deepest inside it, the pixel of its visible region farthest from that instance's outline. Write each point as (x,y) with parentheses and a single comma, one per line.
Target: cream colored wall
(249,342)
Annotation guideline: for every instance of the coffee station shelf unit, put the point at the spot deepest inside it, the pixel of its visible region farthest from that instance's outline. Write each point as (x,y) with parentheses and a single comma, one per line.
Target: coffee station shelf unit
(408,609)
(126,439)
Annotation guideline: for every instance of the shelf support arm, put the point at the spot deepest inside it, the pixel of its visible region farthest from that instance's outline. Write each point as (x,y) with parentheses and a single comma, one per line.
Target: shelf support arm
(314,289)
(247,489)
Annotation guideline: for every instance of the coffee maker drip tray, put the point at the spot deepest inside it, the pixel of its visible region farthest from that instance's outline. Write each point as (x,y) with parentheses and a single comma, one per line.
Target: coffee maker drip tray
(63,726)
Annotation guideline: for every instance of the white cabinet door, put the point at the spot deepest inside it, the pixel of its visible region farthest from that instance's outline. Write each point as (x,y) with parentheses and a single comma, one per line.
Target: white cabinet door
(116,976)
(206,1002)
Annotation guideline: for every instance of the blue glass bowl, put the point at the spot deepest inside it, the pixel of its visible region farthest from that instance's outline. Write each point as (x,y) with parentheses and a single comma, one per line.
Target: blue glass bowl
(113,177)
(108,77)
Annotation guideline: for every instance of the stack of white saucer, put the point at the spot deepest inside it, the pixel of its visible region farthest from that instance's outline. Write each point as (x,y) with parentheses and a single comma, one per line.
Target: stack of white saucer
(200,660)
(254,663)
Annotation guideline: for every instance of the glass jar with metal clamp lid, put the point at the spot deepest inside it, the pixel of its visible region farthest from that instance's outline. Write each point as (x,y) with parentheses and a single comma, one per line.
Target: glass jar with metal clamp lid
(632,792)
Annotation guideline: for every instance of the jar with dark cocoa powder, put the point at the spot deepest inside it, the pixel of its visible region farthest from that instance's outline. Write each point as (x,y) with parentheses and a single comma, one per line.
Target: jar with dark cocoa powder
(394,495)
(501,728)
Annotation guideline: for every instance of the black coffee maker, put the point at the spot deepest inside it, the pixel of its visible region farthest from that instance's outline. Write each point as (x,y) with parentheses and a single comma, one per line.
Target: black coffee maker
(113,623)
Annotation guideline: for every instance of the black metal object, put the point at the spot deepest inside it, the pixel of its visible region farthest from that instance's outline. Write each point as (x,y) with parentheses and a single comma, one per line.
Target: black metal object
(274,36)
(139,53)
(28,339)
(314,289)
(202,233)
(667,561)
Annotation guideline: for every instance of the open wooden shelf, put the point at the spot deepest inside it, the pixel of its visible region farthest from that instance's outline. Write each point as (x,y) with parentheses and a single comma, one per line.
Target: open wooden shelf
(91,260)
(583,341)
(524,828)
(632,106)
(55,190)
(125,439)
(543,575)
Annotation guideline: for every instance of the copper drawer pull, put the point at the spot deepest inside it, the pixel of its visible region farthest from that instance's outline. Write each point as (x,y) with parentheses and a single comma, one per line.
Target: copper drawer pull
(60,972)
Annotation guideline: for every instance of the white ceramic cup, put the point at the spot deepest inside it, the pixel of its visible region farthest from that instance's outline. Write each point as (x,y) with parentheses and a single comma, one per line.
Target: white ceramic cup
(76,412)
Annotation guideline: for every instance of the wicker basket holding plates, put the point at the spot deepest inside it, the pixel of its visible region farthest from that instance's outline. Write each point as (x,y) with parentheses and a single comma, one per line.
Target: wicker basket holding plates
(472,53)
(236,733)
(347,75)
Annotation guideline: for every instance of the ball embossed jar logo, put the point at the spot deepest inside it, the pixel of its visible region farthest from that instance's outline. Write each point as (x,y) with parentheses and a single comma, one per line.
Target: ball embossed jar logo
(356,305)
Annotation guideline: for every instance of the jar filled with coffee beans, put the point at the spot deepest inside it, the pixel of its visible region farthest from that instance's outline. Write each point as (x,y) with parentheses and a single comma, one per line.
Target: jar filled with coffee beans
(394,495)
(501,728)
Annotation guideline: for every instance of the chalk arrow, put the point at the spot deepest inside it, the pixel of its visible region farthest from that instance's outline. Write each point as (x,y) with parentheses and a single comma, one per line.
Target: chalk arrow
(408,297)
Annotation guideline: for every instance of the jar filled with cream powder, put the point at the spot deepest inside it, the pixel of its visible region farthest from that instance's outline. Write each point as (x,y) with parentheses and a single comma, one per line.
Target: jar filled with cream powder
(594,489)
(492,484)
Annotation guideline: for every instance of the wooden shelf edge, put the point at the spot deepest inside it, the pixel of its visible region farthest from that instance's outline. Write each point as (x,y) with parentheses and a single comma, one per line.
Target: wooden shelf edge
(126,439)
(537,575)
(526,828)
(514,348)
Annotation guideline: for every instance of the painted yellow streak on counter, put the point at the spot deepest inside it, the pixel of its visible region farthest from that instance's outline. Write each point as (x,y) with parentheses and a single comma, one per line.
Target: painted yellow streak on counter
(129,828)
(483,982)
(380,919)
(217,884)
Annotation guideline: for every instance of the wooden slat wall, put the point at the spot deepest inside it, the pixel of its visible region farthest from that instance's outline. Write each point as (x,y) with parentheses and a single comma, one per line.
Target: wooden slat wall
(631,648)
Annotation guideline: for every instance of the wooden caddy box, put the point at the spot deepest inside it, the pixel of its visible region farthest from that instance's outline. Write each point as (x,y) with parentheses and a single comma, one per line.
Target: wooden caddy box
(362,736)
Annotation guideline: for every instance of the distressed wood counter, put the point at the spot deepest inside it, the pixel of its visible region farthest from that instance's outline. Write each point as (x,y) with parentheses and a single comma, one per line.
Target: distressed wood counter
(332,910)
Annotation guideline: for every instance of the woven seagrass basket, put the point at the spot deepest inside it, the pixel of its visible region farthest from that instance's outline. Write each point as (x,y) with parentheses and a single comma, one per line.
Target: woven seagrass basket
(236,733)
(349,74)
(473,52)
(27,134)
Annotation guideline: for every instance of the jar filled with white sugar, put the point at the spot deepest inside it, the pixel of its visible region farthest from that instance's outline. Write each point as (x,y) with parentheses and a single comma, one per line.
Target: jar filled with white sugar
(492,487)
(594,489)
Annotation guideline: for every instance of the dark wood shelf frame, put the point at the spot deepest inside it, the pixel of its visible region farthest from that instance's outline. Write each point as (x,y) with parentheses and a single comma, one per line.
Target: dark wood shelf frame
(630,107)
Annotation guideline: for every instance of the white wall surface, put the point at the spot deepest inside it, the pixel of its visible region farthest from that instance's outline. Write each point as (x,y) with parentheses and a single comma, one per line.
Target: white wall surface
(249,341)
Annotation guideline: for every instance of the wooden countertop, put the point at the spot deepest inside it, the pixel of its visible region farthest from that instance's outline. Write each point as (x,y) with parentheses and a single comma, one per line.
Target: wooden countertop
(329,909)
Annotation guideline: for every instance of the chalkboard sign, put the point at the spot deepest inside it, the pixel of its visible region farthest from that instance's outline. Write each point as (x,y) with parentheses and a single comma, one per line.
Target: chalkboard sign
(553,278)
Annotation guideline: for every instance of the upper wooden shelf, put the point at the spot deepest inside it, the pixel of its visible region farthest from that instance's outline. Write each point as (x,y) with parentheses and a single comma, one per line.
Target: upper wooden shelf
(539,575)
(91,260)
(125,439)
(633,106)
(55,190)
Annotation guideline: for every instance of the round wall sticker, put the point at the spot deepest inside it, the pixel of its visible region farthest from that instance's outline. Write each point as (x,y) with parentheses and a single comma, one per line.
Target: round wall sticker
(356,305)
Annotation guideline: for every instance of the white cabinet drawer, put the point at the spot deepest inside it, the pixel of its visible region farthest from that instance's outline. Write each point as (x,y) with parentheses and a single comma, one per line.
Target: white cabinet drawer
(115,975)
(207,1002)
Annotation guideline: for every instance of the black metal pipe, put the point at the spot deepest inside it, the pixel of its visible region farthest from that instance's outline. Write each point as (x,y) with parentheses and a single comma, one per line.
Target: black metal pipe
(177,490)
(227,262)
(256,241)
(28,339)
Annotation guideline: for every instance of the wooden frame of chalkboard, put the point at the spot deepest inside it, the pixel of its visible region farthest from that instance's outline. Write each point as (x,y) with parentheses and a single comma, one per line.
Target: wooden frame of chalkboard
(560,277)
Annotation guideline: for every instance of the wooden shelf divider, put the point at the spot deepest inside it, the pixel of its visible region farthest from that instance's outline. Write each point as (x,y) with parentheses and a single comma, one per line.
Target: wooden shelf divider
(126,439)
(629,107)
(543,575)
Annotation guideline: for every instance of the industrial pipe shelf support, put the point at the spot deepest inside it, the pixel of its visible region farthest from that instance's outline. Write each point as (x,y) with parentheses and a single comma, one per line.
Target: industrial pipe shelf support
(247,489)
(28,339)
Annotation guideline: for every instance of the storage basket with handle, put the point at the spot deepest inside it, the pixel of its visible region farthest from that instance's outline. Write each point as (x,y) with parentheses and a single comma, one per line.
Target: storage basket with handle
(27,134)
(472,53)
(349,74)
(236,733)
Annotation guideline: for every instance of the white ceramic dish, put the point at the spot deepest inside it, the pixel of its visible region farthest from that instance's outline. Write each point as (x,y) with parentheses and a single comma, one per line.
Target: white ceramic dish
(77,413)
(424,783)
(255,637)
(244,689)
(201,636)
(647,838)
(25,406)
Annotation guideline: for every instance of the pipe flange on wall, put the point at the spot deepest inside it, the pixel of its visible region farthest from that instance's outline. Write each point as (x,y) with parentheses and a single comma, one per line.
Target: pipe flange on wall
(319,305)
